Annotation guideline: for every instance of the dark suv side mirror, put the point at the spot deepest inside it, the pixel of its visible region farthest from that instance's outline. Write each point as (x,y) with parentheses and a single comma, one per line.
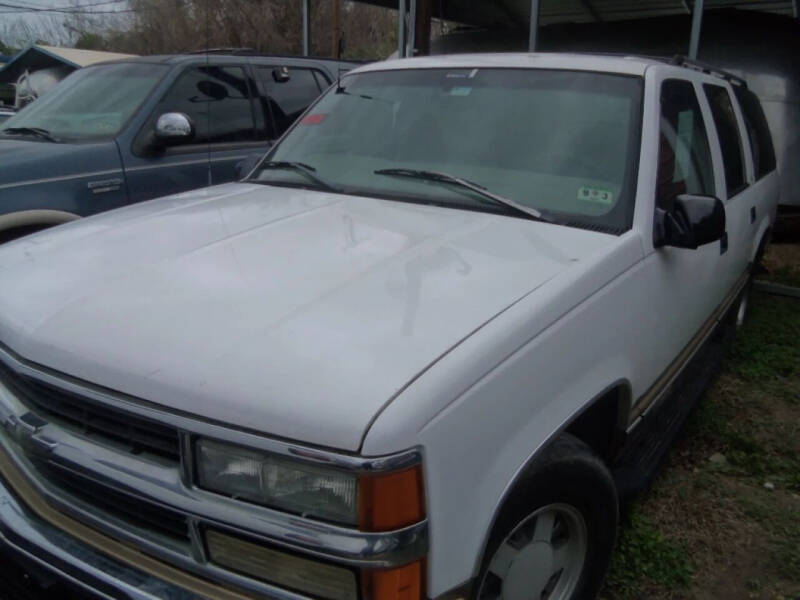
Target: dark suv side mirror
(174,128)
(691,222)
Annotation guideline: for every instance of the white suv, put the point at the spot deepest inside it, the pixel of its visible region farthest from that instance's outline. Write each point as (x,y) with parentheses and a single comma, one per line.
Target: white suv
(420,352)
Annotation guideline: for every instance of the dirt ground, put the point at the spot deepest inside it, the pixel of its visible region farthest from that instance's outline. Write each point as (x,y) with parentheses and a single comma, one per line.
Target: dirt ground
(722,520)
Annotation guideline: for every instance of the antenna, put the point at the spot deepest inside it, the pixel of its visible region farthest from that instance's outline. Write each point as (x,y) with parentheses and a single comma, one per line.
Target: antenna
(208,98)
(339,88)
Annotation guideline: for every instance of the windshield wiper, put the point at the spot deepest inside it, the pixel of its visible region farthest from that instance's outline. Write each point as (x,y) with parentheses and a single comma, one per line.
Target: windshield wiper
(37,131)
(529,212)
(303,168)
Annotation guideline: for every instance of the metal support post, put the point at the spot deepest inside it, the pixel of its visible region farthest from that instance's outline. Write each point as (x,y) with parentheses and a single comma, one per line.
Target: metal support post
(422,26)
(534,25)
(412,26)
(697,24)
(336,49)
(401,28)
(306,27)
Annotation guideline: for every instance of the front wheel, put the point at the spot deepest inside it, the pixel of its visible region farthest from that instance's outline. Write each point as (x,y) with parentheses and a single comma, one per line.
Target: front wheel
(554,536)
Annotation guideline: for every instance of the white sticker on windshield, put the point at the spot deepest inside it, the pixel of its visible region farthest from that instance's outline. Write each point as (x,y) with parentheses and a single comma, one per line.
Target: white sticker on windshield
(460,91)
(598,195)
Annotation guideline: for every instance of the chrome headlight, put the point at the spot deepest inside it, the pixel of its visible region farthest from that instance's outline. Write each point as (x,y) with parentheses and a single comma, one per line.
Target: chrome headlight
(278,482)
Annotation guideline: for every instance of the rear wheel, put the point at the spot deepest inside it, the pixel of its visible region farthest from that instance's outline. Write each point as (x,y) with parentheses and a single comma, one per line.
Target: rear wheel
(554,537)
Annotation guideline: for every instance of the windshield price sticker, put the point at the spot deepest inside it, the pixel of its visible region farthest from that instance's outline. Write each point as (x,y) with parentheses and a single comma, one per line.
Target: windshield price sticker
(593,194)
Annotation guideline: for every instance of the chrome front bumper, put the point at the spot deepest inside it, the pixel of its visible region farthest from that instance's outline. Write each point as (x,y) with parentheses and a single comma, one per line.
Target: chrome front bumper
(31,540)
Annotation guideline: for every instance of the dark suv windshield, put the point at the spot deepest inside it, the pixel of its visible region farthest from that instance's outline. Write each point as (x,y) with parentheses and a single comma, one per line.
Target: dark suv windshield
(92,103)
(562,142)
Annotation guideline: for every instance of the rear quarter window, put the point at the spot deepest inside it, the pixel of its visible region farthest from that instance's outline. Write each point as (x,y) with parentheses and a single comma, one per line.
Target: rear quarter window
(757,131)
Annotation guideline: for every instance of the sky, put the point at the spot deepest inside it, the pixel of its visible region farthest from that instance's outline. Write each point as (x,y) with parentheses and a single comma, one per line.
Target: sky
(43,12)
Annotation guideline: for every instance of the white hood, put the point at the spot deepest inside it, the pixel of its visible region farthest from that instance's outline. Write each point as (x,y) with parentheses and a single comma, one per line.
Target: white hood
(295,313)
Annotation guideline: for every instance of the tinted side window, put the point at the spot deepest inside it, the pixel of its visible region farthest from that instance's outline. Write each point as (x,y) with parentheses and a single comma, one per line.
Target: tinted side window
(757,131)
(217,100)
(684,157)
(288,99)
(729,138)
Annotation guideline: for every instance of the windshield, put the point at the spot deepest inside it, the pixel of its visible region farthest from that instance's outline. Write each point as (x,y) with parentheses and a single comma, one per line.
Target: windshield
(562,142)
(92,103)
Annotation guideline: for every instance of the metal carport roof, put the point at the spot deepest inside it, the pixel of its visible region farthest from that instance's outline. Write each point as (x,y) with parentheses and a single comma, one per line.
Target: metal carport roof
(517,13)
(531,14)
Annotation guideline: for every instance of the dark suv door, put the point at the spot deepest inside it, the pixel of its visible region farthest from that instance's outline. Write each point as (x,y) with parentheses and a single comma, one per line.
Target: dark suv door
(220,101)
(287,91)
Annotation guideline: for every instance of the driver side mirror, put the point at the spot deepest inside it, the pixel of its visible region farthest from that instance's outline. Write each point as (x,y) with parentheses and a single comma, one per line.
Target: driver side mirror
(173,128)
(693,221)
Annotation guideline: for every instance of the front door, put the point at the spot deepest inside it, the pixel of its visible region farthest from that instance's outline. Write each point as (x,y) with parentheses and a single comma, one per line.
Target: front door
(218,99)
(686,286)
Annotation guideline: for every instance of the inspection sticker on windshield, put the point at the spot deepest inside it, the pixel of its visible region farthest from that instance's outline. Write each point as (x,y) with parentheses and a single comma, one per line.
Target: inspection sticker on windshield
(593,194)
(316,119)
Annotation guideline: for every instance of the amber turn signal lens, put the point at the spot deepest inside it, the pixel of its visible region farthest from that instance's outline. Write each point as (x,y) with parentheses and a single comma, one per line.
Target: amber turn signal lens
(391,501)
(403,583)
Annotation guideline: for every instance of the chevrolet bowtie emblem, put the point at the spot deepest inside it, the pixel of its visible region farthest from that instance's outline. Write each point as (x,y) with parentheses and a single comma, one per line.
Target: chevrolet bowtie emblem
(26,432)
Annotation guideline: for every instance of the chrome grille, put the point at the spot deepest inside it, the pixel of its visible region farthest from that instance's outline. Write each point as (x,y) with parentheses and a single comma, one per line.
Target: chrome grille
(91,419)
(129,510)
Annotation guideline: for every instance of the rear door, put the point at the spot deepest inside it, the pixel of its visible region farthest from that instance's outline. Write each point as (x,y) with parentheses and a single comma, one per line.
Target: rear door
(738,193)
(220,102)
(765,186)
(287,91)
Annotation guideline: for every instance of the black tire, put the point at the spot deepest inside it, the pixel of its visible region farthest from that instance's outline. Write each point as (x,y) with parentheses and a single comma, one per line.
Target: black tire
(566,473)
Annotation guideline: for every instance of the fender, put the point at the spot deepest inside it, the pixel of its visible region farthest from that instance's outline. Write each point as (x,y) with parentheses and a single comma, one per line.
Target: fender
(621,386)
(40,217)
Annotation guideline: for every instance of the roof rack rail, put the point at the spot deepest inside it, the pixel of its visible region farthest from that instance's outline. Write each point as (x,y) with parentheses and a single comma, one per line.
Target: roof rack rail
(233,51)
(689,63)
(256,53)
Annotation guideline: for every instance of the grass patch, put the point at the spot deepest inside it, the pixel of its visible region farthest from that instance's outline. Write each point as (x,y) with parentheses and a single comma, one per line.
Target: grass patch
(783,527)
(782,263)
(645,557)
(768,348)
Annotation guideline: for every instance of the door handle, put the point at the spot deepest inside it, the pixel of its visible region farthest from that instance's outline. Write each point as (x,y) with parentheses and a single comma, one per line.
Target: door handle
(752,214)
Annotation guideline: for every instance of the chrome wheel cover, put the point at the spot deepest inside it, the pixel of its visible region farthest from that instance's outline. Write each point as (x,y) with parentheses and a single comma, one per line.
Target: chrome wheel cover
(541,559)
